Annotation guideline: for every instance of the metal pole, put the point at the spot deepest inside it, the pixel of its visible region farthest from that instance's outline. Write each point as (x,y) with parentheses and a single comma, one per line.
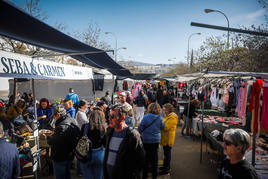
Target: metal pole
(229,29)
(188,45)
(36,136)
(14,91)
(202,132)
(253,148)
(115,54)
(188,49)
(113,90)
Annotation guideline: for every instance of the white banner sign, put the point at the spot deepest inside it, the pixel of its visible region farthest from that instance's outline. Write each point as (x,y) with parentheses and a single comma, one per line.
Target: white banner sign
(21,66)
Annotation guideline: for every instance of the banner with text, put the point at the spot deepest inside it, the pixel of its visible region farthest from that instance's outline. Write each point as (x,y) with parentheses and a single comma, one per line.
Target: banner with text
(22,66)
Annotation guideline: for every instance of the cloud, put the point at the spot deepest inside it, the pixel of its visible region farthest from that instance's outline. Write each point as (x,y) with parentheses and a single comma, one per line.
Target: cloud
(248,19)
(140,55)
(254,16)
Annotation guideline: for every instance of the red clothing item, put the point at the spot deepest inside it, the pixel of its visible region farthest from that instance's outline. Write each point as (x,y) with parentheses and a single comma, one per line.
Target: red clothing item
(254,105)
(264,116)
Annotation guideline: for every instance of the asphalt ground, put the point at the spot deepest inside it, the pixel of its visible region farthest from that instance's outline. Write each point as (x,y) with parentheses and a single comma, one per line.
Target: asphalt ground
(185,160)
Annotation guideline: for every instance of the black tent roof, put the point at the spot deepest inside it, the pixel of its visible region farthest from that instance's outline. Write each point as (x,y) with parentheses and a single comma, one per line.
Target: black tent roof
(18,25)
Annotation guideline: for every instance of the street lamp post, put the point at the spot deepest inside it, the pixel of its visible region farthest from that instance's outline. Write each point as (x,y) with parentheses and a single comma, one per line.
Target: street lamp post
(188,45)
(115,50)
(211,10)
(120,48)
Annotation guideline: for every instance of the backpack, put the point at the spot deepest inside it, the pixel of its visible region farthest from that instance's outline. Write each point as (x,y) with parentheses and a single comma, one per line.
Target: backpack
(83,149)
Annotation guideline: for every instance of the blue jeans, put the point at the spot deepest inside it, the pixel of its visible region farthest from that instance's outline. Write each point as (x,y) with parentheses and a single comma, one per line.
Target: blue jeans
(78,167)
(93,168)
(62,169)
(167,157)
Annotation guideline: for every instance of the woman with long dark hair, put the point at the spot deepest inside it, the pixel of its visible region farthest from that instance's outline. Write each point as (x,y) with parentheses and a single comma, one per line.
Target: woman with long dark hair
(96,131)
(44,111)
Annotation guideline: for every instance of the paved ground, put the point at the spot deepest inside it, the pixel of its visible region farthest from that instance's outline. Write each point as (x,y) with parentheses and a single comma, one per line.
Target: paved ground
(185,161)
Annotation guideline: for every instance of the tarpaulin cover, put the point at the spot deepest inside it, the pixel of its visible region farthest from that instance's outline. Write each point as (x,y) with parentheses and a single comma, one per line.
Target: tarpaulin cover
(18,25)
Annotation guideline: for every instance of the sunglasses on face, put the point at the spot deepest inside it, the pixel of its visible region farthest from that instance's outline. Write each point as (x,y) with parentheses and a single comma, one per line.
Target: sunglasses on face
(112,116)
(227,142)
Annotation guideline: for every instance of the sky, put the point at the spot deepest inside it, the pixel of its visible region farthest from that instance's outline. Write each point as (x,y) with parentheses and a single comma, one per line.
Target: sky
(153,31)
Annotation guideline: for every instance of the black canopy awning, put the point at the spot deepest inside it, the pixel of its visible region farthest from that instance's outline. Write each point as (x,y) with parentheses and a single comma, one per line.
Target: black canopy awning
(18,25)
(139,76)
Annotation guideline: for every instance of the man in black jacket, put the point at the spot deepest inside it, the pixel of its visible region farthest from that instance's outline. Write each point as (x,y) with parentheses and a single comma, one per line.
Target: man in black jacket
(124,155)
(63,142)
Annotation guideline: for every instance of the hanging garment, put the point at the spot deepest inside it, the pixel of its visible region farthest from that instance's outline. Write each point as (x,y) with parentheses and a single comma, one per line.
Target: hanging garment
(254,105)
(98,84)
(225,95)
(213,97)
(231,102)
(205,92)
(242,102)
(220,100)
(125,86)
(236,90)
(201,95)
(264,116)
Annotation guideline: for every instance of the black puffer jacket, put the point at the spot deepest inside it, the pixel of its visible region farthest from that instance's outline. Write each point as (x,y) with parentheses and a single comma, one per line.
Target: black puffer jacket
(64,139)
(140,101)
(130,157)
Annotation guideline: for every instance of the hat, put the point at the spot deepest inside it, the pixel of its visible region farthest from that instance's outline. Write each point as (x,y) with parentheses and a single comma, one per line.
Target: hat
(123,94)
(59,109)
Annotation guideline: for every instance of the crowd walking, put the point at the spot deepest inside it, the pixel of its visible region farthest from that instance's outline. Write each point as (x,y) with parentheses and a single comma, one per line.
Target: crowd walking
(114,141)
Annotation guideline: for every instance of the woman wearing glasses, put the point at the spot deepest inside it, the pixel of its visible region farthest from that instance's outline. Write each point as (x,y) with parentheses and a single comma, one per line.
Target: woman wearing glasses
(236,142)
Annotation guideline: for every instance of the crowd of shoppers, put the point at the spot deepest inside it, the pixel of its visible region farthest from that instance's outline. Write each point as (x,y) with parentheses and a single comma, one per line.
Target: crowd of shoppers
(124,143)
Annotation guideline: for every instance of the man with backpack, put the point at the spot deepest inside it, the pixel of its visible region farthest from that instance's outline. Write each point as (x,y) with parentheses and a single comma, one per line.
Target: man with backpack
(63,142)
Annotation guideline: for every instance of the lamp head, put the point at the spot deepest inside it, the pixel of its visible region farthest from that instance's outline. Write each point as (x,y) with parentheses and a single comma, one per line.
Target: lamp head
(198,33)
(106,32)
(208,10)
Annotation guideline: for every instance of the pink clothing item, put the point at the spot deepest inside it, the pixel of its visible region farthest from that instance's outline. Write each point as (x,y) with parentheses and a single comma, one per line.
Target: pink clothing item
(264,116)
(225,97)
(242,102)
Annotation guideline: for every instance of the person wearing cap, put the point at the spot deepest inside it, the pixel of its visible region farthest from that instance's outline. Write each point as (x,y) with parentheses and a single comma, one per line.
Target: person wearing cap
(62,142)
(123,101)
(74,97)
(124,154)
(236,143)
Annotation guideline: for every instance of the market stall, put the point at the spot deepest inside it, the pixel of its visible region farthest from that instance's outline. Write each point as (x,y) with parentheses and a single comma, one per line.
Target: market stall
(235,100)
(27,135)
